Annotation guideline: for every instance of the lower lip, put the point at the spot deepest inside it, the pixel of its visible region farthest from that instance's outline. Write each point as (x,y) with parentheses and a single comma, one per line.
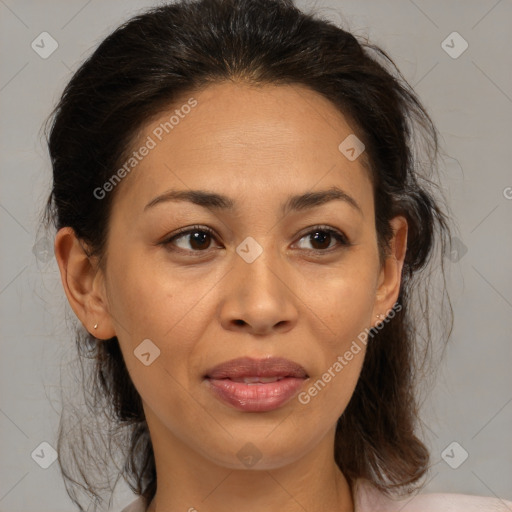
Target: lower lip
(256,397)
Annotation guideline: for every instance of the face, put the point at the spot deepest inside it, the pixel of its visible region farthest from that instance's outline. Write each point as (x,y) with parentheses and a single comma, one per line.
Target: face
(257,274)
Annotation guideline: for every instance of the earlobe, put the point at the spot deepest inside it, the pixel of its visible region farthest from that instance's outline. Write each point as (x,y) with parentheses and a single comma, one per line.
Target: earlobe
(390,276)
(83,284)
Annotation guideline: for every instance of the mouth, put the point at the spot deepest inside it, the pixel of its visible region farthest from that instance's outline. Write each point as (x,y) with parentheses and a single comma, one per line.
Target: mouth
(251,381)
(256,385)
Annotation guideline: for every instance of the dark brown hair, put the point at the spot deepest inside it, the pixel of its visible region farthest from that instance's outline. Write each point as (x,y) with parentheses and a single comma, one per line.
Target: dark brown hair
(141,69)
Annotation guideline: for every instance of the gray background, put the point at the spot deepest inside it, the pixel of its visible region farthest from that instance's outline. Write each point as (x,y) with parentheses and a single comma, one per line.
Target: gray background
(470,100)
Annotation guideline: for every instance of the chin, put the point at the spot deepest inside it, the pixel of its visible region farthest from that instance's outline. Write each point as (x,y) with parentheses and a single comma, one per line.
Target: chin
(259,452)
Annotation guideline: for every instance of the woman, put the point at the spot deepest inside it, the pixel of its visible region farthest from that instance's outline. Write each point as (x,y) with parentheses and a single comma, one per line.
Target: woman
(242,228)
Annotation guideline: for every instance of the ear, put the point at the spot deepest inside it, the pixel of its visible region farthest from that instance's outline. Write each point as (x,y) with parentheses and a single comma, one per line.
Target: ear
(390,276)
(83,282)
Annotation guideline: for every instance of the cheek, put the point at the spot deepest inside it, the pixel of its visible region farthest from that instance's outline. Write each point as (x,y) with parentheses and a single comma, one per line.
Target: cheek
(342,307)
(342,302)
(153,316)
(148,302)
(340,352)
(140,297)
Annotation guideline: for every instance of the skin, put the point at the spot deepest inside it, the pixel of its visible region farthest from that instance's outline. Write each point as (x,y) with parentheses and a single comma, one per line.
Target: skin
(201,307)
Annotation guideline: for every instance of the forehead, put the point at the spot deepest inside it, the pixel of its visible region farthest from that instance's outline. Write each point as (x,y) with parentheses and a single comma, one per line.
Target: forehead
(239,139)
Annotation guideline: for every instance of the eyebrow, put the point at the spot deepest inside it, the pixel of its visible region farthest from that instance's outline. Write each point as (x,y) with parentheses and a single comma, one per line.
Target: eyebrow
(214,201)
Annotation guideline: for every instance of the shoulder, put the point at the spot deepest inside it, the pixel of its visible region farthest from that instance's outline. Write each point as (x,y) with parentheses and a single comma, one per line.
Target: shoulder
(139,505)
(369,499)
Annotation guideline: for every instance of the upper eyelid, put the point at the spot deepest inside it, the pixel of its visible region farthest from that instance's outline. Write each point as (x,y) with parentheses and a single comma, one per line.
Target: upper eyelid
(319,227)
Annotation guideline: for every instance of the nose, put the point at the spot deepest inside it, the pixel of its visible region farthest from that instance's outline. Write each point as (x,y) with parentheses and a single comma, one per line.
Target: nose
(259,298)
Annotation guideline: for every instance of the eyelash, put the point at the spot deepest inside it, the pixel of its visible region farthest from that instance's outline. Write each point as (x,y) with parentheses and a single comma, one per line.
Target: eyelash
(337,235)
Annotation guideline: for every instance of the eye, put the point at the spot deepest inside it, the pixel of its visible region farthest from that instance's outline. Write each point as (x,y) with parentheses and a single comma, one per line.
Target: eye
(322,237)
(197,238)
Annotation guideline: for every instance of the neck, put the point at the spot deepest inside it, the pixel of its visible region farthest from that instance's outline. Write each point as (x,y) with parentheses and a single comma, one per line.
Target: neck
(190,482)
(265,492)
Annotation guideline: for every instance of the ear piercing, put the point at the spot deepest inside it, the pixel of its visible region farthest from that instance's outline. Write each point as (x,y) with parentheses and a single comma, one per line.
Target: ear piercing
(95,326)
(379,316)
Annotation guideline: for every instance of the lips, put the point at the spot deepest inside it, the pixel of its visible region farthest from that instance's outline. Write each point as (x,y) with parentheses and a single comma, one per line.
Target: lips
(256,385)
(248,368)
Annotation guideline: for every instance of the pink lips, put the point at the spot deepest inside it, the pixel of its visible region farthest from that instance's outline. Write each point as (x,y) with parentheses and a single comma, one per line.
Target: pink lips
(256,385)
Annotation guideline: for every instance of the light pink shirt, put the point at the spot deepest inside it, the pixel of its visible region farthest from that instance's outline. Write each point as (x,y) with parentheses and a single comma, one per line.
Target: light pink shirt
(369,499)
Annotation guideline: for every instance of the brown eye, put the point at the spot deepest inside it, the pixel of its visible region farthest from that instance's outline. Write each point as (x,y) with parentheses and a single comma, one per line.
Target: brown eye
(199,240)
(193,240)
(321,239)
